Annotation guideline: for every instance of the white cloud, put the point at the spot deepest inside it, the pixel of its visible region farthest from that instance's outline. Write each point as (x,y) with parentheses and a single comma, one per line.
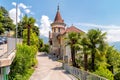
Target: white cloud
(27,11)
(26,8)
(36,24)
(22,6)
(113,31)
(97,26)
(14,3)
(113,35)
(12,14)
(45,26)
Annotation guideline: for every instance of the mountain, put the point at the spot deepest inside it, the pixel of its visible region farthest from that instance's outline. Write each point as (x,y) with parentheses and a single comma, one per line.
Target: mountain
(116,45)
(45,39)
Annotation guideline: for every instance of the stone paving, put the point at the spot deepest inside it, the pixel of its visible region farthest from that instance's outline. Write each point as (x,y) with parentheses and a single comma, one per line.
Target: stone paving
(48,69)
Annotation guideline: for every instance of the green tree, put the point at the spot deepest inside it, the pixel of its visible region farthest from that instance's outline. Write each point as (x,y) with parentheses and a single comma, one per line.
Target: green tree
(85,43)
(5,12)
(117,76)
(96,38)
(21,67)
(45,48)
(36,30)
(28,22)
(73,42)
(41,44)
(1,25)
(21,28)
(104,72)
(113,59)
(1,16)
(1,29)
(34,39)
(7,22)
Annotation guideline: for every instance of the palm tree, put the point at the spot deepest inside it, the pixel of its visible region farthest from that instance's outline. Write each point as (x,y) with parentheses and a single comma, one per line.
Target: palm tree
(28,22)
(85,43)
(96,38)
(73,41)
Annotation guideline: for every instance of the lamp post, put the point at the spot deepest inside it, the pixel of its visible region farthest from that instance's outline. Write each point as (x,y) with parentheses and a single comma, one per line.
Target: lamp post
(16,24)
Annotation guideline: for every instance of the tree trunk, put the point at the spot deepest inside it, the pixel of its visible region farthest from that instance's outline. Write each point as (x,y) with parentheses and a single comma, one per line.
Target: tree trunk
(73,56)
(28,40)
(85,61)
(93,62)
(111,68)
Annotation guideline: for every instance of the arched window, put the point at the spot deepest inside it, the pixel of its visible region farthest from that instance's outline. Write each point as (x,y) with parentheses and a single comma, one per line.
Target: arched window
(58,29)
(54,30)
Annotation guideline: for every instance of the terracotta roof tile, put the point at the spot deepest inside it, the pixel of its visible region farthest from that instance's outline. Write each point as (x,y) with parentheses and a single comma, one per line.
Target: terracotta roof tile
(58,18)
(72,29)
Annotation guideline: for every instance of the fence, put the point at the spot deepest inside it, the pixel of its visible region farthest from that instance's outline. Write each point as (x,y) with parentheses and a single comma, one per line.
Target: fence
(11,44)
(82,75)
(9,47)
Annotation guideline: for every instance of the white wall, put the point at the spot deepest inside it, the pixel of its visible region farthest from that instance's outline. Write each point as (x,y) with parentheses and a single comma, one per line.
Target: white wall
(68,53)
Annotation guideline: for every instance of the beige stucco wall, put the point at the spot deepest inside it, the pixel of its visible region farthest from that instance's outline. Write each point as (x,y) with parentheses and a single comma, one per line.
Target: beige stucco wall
(62,28)
(66,48)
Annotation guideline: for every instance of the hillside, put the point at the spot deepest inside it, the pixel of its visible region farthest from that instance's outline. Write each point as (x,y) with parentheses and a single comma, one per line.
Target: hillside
(116,45)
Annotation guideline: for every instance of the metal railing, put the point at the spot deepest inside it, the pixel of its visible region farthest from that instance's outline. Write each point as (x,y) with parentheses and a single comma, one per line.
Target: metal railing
(9,47)
(82,75)
(11,44)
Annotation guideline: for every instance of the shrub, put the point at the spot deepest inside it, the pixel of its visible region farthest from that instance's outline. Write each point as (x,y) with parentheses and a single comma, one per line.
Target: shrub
(117,76)
(40,44)
(21,68)
(33,38)
(104,72)
(44,48)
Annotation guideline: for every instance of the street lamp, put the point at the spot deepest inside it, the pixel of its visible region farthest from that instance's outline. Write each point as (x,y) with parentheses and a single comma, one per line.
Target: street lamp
(16,23)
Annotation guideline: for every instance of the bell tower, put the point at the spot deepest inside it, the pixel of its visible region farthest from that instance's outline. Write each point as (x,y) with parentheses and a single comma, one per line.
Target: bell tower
(58,25)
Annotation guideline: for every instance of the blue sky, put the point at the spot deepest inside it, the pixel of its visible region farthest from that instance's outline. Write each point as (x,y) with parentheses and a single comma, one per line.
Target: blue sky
(84,14)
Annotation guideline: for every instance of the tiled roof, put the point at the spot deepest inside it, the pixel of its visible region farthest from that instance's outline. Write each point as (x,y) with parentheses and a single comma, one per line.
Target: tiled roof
(69,29)
(58,18)
(72,29)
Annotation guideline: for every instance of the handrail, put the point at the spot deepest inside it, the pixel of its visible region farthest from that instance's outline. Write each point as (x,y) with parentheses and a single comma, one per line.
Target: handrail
(81,74)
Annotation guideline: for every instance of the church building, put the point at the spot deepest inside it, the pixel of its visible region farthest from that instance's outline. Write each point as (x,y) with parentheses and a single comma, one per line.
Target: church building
(58,34)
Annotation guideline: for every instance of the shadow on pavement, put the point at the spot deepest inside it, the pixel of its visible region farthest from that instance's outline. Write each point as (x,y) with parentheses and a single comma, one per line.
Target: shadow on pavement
(57,68)
(60,68)
(42,55)
(52,57)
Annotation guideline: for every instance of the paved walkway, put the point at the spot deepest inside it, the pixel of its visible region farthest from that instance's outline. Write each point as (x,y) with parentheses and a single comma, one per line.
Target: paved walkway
(49,69)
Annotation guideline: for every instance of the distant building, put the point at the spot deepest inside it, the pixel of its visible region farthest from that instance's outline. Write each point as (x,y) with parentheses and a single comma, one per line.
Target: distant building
(57,36)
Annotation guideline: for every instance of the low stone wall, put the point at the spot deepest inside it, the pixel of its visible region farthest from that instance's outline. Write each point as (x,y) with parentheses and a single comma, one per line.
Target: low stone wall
(80,74)
(6,61)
